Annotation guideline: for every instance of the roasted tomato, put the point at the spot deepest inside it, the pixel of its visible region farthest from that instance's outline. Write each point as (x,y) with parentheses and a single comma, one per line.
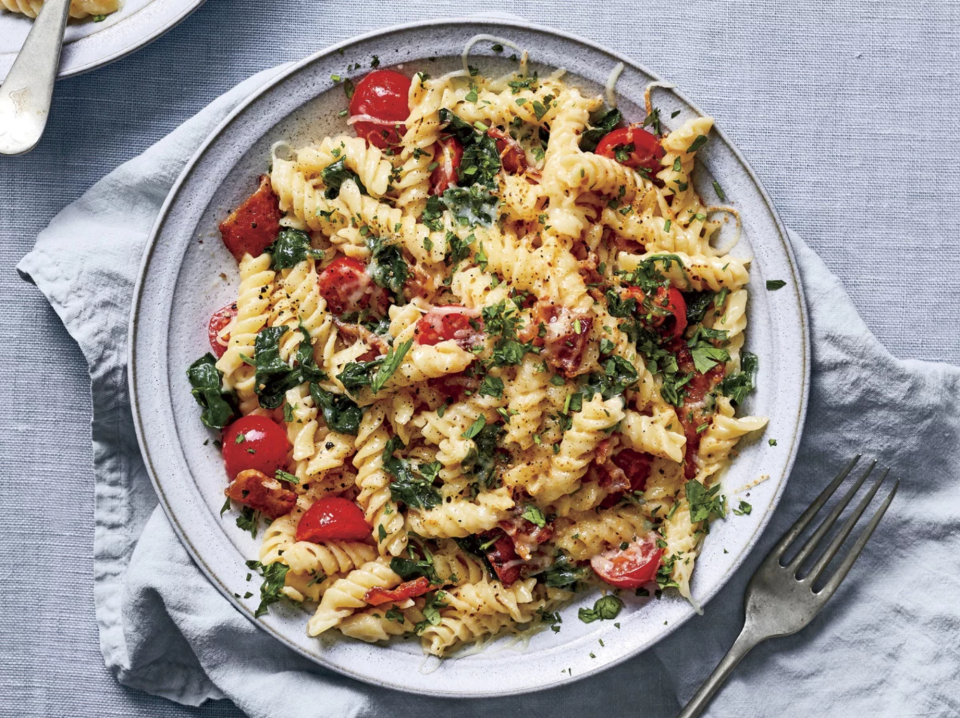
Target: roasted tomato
(262,493)
(512,157)
(380,106)
(348,288)
(630,567)
(452,321)
(255,224)
(408,589)
(254,442)
(504,559)
(448,154)
(634,147)
(333,519)
(218,322)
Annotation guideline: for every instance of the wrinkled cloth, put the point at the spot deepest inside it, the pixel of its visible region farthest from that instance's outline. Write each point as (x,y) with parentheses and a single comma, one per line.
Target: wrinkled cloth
(886,644)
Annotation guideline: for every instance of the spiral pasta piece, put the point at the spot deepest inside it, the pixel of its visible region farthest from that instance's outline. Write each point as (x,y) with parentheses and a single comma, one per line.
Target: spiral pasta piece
(349,593)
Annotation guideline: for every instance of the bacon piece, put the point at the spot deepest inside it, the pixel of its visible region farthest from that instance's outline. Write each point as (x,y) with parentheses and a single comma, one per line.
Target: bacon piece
(455,386)
(255,224)
(420,283)
(348,330)
(526,535)
(627,471)
(563,345)
(262,493)
(512,156)
(408,589)
(504,560)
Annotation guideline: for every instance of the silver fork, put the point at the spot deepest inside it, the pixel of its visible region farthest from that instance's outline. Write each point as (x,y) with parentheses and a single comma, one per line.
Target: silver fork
(778,601)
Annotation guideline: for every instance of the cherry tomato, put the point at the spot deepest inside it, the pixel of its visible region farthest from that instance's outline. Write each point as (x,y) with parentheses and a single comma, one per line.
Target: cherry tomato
(382,95)
(408,589)
(333,519)
(512,157)
(263,446)
(448,154)
(448,322)
(645,153)
(671,300)
(632,567)
(262,493)
(255,224)
(348,288)
(220,319)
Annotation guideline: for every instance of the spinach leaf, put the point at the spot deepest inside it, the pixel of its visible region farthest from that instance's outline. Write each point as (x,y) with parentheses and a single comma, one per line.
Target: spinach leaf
(739,384)
(605,609)
(387,267)
(697,305)
(481,461)
(408,487)
(410,568)
(340,412)
(474,201)
(563,573)
(274,377)
(599,127)
(473,205)
(290,248)
(356,375)
(391,362)
(218,405)
(433,214)
(335,175)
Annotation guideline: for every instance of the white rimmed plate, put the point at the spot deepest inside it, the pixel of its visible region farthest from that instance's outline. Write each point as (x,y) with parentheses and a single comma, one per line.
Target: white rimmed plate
(87,44)
(187,274)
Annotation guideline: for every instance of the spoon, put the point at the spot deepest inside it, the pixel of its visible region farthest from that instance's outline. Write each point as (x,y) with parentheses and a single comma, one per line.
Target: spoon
(26,93)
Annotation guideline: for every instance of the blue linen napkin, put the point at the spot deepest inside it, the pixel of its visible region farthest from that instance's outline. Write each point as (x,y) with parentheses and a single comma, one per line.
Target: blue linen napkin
(886,644)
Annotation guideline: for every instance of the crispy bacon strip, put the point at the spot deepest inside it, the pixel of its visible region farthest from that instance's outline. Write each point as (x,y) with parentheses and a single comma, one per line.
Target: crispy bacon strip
(566,338)
(694,413)
(255,224)
(408,589)
(262,493)
(352,331)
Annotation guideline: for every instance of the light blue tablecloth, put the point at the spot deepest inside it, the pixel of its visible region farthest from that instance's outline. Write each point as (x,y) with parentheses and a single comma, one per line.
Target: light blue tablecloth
(849,120)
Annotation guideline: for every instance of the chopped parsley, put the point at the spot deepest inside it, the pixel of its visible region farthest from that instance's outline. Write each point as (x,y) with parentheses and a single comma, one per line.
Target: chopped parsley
(605,609)
(274,578)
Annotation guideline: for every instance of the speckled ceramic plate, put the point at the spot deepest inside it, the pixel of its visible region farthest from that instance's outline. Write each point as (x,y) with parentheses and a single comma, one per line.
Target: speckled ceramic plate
(88,44)
(187,274)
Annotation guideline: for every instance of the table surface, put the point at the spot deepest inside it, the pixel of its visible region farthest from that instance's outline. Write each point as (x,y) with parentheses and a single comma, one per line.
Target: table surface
(846,110)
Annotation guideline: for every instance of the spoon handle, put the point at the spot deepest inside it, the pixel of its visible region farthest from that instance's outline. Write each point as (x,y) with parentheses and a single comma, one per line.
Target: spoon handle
(26,93)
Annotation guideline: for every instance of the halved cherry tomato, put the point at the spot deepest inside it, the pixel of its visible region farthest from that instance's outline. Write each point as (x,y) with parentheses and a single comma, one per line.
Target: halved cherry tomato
(218,322)
(333,519)
(255,224)
(503,557)
(408,589)
(632,567)
(262,493)
(383,96)
(671,300)
(449,322)
(348,288)
(643,148)
(448,153)
(512,157)
(254,442)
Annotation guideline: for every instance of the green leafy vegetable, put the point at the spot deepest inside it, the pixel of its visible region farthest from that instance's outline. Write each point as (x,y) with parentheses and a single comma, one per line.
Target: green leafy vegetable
(775,284)
(605,609)
(481,461)
(249,520)
(534,515)
(284,476)
(431,611)
(290,248)
(410,568)
(409,485)
(600,126)
(697,143)
(340,413)
(743,509)
(619,307)
(491,386)
(273,376)
(218,404)
(274,579)
(391,362)
(739,384)
(618,376)
(387,267)
(697,305)
(475,427)
(563,573)
(335,175)
(704,502)
(473,205)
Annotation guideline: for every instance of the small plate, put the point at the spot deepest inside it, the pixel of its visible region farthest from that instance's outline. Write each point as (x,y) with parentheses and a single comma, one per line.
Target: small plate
(87,44)
(187,274)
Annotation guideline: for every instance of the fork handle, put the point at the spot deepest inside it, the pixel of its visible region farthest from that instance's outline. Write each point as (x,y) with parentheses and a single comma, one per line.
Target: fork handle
(747,639)
(26,93)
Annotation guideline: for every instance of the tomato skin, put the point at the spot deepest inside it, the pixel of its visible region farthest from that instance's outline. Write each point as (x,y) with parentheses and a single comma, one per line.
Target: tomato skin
(446,322)
(262,493)
(632,567)
(220,319)
(333,519)
(512,158)
(408,589)
(264,446)
(668,299)
(383,94)
(348,288)
(647,151)
(448,154)
(255,224)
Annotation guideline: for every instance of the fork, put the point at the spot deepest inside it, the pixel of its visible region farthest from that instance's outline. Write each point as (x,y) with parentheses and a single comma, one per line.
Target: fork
(778,601)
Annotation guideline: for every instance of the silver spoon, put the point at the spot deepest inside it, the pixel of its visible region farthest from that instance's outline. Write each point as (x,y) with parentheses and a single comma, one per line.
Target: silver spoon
(26,93)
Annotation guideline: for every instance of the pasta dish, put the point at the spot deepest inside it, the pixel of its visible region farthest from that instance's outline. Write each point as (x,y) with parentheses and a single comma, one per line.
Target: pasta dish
(484,354)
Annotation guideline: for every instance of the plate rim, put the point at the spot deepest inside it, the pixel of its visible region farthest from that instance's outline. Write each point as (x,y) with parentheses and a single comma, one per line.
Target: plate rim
(505,23)
(116,39)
